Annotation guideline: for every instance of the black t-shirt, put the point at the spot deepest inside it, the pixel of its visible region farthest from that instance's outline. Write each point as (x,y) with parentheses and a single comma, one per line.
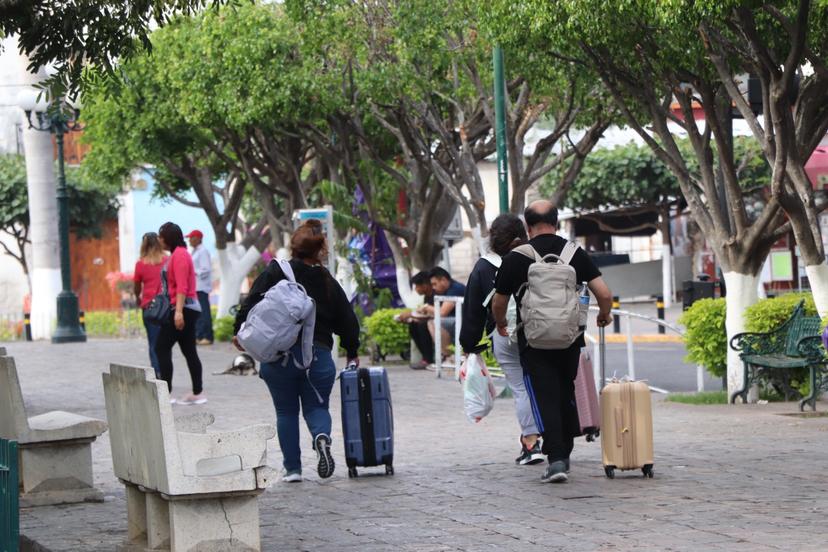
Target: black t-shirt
(514,271)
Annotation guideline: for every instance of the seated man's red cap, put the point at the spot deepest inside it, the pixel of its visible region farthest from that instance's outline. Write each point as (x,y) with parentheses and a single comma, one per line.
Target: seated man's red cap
(195,234)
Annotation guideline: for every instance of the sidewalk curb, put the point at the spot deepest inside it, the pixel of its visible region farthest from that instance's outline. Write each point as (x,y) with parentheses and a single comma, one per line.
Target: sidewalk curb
(644,338)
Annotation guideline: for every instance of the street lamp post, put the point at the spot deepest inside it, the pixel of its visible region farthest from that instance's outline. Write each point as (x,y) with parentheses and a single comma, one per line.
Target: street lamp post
(500,129)
(58,120)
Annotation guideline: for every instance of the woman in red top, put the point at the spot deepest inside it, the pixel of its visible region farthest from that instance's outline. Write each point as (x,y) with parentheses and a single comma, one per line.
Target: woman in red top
(147,278)
(181,328)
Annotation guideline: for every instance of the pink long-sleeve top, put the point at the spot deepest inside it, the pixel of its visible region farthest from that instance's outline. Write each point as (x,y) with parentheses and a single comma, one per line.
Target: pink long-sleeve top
(181,277)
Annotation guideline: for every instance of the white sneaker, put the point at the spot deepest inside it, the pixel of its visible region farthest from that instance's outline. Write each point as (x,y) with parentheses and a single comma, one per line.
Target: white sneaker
(191,399)
(292,476)
(173,400)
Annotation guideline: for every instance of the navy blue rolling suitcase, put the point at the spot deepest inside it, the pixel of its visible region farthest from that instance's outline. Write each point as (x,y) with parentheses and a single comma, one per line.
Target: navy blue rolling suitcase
(367,419)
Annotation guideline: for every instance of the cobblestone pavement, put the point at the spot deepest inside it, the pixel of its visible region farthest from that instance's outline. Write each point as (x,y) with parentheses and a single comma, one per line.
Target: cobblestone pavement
(727,478)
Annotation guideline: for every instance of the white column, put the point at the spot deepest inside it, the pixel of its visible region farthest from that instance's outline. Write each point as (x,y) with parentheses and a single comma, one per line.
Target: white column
(126,232)
(43,215)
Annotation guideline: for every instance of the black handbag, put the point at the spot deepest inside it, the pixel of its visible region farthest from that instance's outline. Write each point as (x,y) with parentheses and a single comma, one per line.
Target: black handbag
(158,310)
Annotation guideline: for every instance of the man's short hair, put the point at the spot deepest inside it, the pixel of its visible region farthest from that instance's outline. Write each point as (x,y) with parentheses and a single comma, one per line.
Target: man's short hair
(421,278)
(533,218)
(440,272)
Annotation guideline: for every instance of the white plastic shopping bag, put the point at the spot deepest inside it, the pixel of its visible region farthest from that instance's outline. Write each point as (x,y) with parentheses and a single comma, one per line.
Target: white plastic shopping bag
(478,389)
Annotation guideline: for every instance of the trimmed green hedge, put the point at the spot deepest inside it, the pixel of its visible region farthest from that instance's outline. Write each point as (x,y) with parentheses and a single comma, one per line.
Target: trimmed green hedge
(386,333)
(705,336)
(223,328)
(768,314)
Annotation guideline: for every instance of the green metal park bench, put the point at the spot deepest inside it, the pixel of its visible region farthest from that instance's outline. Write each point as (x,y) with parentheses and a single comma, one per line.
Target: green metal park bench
(9,510)
(797,343)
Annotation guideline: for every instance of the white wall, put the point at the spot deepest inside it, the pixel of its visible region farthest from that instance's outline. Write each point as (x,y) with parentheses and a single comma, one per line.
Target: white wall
(11,140)
(13,285)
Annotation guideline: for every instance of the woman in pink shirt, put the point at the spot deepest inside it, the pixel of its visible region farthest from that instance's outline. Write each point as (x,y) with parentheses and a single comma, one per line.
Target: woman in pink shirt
(147,278)
(181,328)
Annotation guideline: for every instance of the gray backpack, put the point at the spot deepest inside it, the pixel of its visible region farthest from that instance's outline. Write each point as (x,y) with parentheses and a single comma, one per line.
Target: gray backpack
(550,312)
(274,323)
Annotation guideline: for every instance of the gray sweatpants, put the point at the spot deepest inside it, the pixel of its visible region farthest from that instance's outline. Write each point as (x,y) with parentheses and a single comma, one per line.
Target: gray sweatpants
(508,357)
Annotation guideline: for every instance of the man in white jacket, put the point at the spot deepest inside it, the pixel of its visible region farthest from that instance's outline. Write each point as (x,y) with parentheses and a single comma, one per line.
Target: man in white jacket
(204,284)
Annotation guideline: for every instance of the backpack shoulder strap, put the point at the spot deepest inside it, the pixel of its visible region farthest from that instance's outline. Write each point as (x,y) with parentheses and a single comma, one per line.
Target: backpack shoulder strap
(287,270)
(528,251)
(568,252)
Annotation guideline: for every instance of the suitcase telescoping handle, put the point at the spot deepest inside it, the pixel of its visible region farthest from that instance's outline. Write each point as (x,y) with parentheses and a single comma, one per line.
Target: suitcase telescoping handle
(602,352)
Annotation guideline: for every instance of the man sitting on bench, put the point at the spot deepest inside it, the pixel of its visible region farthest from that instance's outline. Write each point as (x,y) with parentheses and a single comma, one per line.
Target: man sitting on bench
(417,320)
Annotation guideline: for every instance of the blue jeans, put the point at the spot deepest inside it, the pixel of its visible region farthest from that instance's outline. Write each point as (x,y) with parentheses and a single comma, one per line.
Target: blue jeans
(152,337)
(291,387)
(204,327)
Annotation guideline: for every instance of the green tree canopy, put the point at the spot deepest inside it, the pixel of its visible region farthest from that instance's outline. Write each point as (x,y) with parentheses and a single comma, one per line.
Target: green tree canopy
(220,99)
(632,176)
(81,38)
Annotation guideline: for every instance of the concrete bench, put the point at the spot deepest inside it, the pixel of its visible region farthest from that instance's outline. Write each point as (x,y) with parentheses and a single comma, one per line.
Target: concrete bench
(54,448)
(186,489)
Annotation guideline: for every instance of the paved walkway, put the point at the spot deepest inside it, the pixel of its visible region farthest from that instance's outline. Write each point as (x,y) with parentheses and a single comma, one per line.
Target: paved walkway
(727,478)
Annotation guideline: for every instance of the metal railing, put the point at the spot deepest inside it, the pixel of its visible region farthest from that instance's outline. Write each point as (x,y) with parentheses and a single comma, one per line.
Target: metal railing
(438,334)
(627,316)
(624,315)
(9,505)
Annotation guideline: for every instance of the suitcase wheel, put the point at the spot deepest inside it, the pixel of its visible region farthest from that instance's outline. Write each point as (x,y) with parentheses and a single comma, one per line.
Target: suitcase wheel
(389,469)
(352,473)
(610,471)
(648,471)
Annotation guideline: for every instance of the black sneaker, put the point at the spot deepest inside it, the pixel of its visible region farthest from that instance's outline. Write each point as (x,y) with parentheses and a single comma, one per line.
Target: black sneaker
(531,456)
(555,472)
(322,446)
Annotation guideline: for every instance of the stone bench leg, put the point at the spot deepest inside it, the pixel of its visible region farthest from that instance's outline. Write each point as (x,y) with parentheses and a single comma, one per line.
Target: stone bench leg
(136,516)
(148,522)
(57,473)
(215,524)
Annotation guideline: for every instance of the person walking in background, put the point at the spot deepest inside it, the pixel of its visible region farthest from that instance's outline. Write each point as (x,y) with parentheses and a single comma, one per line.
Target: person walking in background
(506,233)
(147,279)
(443,284)
(308,390)
(181,329)
(550,374)
(204,285)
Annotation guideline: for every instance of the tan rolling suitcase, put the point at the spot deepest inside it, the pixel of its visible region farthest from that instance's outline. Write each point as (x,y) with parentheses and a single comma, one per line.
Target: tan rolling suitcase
(626,425)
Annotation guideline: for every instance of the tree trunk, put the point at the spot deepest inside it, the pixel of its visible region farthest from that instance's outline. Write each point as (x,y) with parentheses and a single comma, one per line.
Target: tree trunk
(234,265)
(818,278)
(425,254)
(409,297)
(805,226)
(479,242)
(741,293)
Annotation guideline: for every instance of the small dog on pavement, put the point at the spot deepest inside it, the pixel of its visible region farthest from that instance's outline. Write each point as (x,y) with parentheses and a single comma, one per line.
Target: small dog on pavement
(242,365)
